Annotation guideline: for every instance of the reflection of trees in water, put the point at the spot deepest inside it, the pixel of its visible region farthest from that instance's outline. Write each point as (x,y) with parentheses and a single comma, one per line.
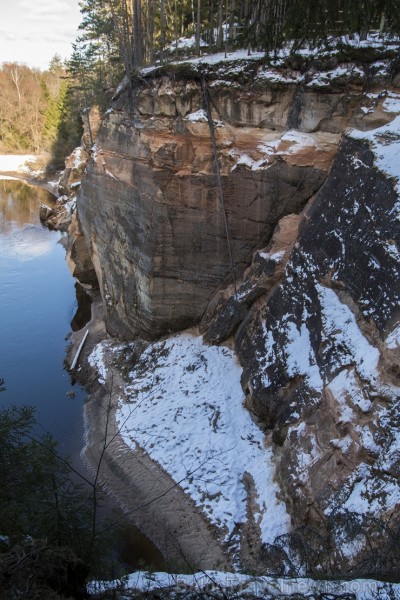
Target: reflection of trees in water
(83,308)
(20,202)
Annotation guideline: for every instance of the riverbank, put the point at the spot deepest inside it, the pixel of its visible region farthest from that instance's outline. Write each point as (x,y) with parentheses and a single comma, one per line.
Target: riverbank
(28,168)
(150,498)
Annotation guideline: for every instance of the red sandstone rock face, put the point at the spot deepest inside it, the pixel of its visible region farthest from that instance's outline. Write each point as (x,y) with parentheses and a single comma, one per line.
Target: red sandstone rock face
(308,310)
(319,369)
(150,207)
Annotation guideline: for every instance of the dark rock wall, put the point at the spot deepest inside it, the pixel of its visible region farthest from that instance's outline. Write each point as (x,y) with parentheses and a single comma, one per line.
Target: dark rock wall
(343,244)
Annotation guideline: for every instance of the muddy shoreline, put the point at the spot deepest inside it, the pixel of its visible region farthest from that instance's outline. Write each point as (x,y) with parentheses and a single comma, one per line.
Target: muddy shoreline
(149,497)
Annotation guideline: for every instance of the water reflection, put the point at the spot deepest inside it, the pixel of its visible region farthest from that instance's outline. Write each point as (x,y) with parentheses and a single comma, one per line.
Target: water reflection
(37,299)
(20,203)
(83,308)
(21,234)
(39,304)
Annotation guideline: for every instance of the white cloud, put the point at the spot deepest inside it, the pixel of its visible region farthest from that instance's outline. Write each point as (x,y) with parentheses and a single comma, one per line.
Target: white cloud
(47,9)
(32,31)
(8,36)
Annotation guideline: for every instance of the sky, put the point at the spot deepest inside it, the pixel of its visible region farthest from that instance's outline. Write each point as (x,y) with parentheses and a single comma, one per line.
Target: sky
(33,31)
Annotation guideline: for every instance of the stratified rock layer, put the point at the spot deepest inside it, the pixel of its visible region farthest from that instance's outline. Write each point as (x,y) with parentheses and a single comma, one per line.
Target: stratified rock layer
(150,207)
(313,296)
(322,374)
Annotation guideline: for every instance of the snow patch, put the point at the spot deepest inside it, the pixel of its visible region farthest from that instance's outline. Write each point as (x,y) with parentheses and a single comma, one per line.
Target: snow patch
(385,144)
(198,116)
(79,160)
(340,325)
(371,494)
(300,358)
(393,339)
(184,407)
(345,73)
(237,585)
(344,388)
(96,360)
(275,256)
(16,163)
(184,43)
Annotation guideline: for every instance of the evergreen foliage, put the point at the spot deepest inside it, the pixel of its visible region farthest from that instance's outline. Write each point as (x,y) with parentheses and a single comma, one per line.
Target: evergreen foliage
(41,111)
(132,33)
(38,497)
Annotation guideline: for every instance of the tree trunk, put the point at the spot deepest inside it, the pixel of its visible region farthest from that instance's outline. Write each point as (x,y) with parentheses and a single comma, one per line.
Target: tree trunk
(211,30)
(162,30)
(220,37)
(137,34)
(198,27)
(150,31)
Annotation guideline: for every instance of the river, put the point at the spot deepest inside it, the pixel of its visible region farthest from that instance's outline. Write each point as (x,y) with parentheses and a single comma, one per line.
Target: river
(38,303)
(38,310)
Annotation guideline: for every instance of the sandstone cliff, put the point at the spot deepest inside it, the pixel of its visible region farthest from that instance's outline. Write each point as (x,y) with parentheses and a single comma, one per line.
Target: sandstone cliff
(307,153)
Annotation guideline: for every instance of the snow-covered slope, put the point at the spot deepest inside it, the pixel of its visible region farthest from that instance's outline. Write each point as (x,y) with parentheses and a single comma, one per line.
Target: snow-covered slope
(321,354)
(292,457)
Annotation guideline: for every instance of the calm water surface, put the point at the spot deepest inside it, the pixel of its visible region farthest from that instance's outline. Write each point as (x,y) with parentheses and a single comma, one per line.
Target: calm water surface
(37,304)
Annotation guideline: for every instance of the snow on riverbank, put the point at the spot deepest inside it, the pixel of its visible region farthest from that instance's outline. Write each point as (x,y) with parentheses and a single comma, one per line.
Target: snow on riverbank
(16,163)
(184,406)
(235,585)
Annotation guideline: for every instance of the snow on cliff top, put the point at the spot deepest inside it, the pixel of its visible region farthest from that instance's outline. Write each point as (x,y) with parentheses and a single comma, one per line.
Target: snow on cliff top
(372,40)
(184,406)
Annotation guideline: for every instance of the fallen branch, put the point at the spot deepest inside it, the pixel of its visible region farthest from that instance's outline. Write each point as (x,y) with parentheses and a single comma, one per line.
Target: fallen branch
(75,361)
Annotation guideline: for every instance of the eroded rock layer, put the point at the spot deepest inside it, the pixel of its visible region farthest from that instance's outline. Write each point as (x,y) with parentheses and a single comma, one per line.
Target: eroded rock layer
(312,301)
(150,206)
